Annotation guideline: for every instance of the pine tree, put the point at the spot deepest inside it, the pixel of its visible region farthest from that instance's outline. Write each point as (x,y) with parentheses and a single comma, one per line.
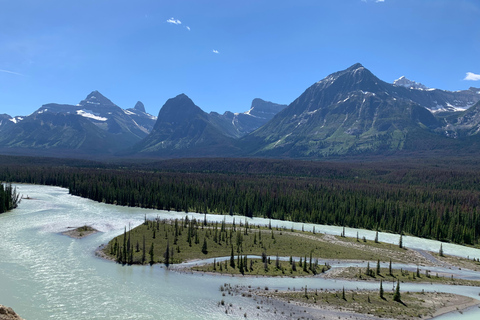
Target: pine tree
(400,242)
(167,255)
(396,295)
(143,251)
(378,267)
(376,237)
(381,289)
(440,252)
(151,255)
(240,266)
(390,268)
(343,294)
(232,260)
(204,247)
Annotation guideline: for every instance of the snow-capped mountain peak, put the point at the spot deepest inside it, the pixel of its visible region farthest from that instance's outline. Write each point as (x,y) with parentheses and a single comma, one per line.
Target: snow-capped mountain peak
(404,82)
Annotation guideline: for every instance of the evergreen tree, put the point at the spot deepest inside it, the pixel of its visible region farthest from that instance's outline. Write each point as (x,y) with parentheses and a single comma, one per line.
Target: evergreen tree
(376,237)
(381,289)
(204,247)
(167,255)
(378,267)
(232,259)
(143,250)
(400,242)
(240,266)
(440,252)
(390,268)
(396,295)
(151,255)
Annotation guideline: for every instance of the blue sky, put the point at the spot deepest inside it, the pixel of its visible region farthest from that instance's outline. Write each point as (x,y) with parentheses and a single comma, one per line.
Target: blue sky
(223,54)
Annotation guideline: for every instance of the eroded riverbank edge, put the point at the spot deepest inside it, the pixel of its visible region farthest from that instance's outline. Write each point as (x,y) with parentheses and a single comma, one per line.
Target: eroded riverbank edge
(278,304)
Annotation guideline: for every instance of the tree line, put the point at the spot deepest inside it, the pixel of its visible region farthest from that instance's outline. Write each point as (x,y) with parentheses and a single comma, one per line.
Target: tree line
(435,203)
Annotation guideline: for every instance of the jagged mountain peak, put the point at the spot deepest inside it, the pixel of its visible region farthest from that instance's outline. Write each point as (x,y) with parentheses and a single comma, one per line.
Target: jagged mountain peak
(354,67)
(96,98)
(404,82)
(139,107)
(356,77)
(262,107)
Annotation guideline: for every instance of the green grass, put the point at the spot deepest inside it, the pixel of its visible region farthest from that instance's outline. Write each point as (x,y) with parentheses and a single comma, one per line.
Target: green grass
(257,267)
(251,240)
(402,276)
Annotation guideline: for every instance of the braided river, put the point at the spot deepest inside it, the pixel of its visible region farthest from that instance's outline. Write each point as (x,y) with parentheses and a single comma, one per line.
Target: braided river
(47,275)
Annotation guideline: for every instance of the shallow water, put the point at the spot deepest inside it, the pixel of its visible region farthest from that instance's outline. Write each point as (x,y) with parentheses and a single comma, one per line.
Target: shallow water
(45,275)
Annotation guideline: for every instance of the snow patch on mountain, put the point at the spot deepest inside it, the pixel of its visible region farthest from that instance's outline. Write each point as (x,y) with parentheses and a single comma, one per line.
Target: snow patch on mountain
(89,114)
(404,82)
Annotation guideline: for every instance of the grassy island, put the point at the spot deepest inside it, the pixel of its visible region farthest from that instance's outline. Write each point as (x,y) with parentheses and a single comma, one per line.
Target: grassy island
(80,232)
(176,241)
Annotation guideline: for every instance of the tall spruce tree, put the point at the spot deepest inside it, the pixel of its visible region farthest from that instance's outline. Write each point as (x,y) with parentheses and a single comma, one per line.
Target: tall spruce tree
(396,295)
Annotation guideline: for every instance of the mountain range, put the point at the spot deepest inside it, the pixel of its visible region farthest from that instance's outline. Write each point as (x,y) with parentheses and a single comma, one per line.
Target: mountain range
(350,112)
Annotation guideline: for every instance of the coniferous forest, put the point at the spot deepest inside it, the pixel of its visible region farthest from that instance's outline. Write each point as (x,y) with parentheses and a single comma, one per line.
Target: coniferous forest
(9,198)
(427,199)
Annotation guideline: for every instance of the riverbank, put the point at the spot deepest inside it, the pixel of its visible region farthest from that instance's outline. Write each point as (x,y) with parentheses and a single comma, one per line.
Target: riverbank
(424,276)
(348,304)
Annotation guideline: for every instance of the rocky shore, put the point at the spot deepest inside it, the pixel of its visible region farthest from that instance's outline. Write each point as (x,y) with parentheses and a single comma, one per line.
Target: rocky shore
(7,313)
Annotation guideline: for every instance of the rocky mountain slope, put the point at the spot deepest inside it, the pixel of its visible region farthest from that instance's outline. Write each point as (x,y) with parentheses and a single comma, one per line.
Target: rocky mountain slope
(348,112)
(183,129)
(237,125)
(94,126)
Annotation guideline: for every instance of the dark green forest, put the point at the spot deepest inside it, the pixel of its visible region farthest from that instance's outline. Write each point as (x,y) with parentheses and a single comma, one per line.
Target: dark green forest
(9,198)
(437,200)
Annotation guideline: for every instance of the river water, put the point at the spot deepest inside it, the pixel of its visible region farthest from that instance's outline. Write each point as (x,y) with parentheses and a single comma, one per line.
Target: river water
(46,275)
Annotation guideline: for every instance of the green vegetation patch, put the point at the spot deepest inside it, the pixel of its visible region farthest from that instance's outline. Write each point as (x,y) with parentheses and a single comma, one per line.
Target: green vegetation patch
(393,275)
(166,241)
(265,267)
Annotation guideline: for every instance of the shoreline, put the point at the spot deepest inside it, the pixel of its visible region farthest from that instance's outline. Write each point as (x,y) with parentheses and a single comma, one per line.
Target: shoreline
(288,308)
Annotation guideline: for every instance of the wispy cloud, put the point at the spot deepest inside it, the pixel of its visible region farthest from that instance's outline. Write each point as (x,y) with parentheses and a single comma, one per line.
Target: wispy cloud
(11,72)
(188,28)
(472,76)
(174,21)
(215,51)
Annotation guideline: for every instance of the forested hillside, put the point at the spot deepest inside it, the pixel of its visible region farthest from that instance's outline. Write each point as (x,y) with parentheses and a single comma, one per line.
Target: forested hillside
(425,200)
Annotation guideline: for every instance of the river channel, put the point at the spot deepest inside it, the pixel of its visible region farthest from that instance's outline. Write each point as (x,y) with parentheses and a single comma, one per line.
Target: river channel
(46,275)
